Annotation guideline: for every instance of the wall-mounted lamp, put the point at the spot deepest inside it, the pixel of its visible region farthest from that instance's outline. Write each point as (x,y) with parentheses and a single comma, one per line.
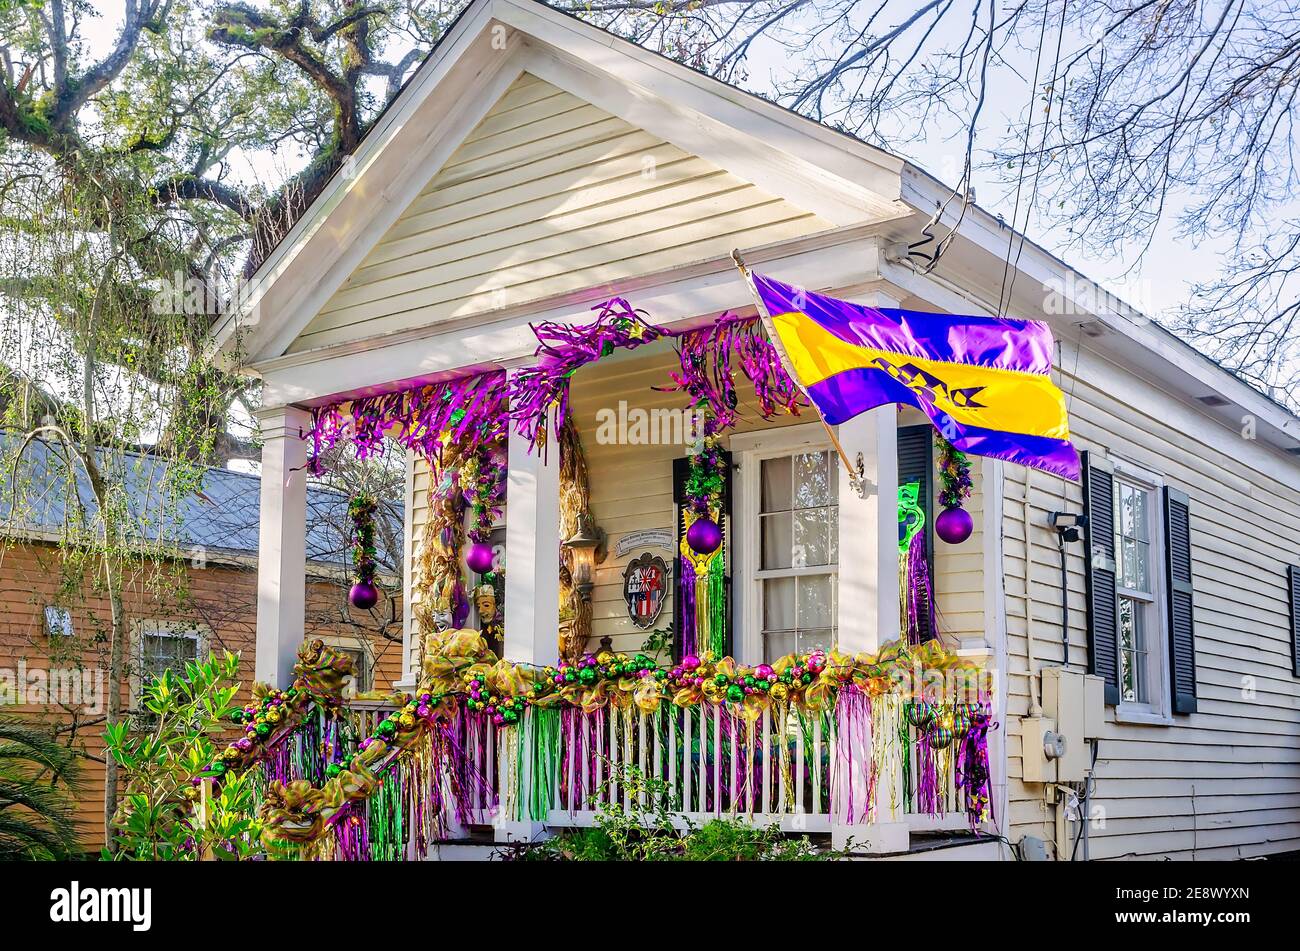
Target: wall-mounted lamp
(588,548)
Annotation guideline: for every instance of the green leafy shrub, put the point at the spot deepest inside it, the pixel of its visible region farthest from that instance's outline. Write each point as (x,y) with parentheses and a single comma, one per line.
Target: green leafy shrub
(156,818)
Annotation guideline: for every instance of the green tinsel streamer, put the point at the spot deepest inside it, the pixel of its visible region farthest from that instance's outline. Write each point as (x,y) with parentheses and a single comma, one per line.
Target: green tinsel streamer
(717,595)
(545,755)
(386,826)
(905,754)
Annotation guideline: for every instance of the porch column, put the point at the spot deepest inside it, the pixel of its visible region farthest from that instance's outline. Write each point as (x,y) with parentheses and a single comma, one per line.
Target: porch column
(868,595)
(868,609)
(532,592)
(282,543)
(532,595)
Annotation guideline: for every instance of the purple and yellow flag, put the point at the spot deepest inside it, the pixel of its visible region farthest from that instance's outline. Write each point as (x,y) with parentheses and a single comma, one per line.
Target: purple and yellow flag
(985,382)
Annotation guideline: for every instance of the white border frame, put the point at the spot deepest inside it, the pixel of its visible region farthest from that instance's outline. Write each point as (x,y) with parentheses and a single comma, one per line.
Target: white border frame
(747,450)
(1158,711)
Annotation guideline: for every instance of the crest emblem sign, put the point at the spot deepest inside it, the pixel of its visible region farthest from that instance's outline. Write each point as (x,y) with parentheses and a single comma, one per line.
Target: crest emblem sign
(645,587)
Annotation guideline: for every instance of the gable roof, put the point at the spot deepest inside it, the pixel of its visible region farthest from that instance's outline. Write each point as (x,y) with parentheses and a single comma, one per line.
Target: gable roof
(219,520)
(824,171)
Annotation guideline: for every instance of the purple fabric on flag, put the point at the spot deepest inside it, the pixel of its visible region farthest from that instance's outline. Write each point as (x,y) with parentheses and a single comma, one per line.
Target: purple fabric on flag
(841,397)
(1000,342)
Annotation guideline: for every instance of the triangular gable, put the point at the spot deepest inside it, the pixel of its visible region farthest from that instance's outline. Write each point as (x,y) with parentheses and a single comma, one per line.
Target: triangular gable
(506,69)
(548,195)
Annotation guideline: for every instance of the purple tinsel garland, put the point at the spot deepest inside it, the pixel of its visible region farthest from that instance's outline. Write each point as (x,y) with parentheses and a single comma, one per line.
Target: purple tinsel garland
(919,592)
(705,357)
(972,775)
(563,349)
(467,411)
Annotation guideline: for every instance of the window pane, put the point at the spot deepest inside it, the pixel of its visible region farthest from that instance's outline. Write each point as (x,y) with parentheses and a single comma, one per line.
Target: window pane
(777,542)
(1140,514)
(811,538)
(778,645)
(816,602)
(776,485)
(811,480)
(1142,559)
(819,639)
(167,652)
(778,604)
(1132,651)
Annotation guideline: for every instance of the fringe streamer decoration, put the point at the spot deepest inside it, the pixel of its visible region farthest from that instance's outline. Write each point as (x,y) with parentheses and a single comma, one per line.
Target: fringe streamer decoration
(852,779)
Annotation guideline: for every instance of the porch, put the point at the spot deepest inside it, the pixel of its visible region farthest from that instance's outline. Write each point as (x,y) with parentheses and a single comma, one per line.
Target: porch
(834,586)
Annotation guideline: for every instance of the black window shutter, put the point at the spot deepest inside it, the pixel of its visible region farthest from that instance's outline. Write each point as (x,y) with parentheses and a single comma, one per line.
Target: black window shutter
(916,464)
(1178,582)
(681,469)
(1293,590)
(1099,573)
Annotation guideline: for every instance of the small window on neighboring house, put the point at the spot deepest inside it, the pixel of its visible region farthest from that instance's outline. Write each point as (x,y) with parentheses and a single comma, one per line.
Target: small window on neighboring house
(361,670)
(164,645)
(798,533)
(167,649)
(58,621)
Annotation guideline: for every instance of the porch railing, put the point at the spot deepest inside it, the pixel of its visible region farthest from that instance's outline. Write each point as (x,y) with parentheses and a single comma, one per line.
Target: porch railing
(689,765)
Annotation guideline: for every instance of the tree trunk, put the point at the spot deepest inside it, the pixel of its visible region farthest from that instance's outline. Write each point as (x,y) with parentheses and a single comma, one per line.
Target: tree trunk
(116,664)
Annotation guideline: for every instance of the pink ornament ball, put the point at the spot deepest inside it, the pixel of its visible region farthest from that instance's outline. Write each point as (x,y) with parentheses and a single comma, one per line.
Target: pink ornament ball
(479,558)
(704,536)
(954,525)
(364,595)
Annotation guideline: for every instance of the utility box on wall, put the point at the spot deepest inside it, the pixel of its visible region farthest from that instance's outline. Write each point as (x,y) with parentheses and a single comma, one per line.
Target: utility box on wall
(1074,699)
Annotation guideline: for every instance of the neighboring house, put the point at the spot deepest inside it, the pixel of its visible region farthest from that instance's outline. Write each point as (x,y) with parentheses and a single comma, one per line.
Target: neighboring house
(535,165)
(56,618)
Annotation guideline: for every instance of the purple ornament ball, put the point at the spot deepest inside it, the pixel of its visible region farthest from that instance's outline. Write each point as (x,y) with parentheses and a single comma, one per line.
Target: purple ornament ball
(704,536)
(479,558)
(364,595)
(954,525)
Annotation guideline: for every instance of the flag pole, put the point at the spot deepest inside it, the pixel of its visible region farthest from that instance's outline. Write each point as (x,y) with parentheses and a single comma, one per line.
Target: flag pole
(856,473)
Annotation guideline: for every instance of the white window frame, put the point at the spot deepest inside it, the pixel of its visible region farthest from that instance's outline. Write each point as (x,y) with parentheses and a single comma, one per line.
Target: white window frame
(198,632)
(1158,707)
(749,450)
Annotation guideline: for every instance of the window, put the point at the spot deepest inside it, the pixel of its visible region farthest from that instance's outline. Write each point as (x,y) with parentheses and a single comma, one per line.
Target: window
(169,648)
(163,645)
(360,682)
(1140,606)
(798,534)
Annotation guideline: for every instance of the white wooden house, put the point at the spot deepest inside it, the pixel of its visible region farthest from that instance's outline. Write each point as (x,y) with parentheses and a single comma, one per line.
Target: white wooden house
(534,166)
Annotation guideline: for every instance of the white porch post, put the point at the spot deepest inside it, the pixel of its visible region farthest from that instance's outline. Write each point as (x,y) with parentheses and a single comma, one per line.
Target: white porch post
(868,608)
(868,595)
(282,543)
(532,584)
(532,594)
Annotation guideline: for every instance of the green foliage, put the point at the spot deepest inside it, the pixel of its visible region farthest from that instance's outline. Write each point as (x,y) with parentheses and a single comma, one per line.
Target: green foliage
(38,778)
(157,818)
(659,641)
(622,835)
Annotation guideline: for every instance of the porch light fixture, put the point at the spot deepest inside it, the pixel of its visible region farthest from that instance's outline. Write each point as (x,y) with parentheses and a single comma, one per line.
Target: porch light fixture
(588,548)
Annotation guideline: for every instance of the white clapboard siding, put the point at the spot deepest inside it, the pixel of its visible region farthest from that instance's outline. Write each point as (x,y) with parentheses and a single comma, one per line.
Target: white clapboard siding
(419,526)
(1224,782)
(547,196)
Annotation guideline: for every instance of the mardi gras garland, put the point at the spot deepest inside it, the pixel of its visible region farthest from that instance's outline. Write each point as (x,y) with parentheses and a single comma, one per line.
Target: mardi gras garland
(320,675)
(466,412)
(419,752)
(361,510)
(702,585)
(954,524)
(562,350)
